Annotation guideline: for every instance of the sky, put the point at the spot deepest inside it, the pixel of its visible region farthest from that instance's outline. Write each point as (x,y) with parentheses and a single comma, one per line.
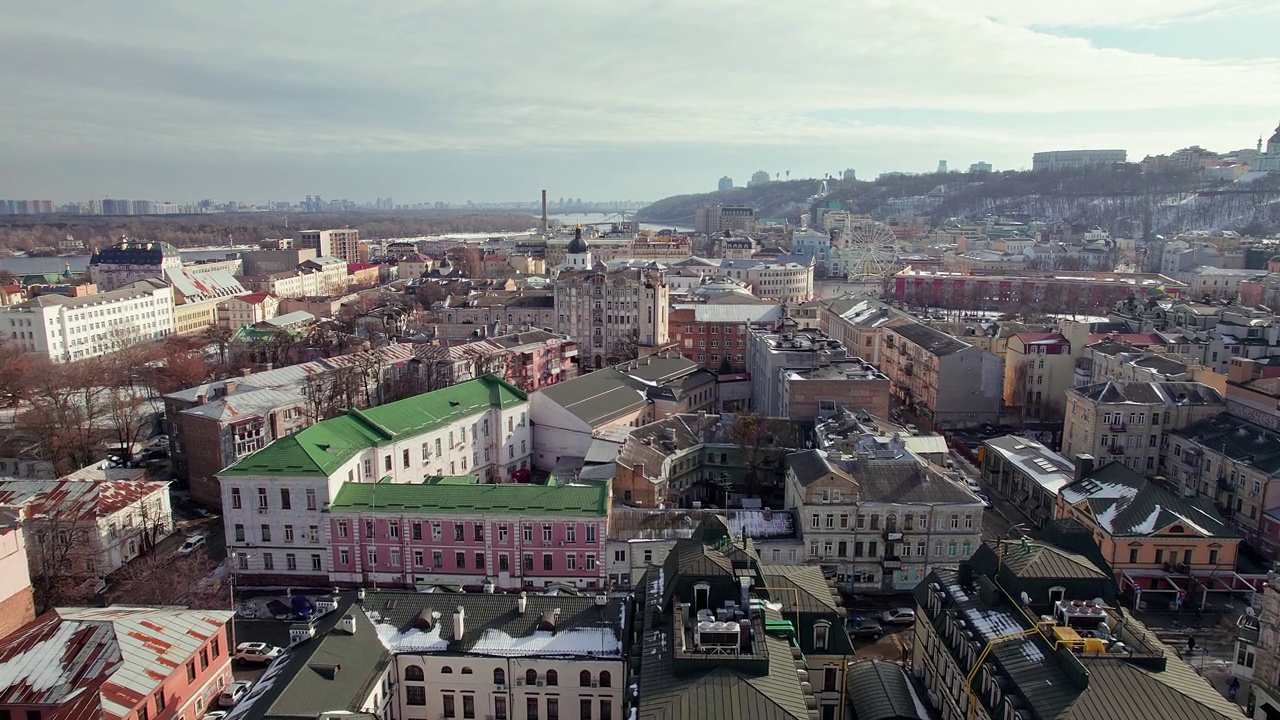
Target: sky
(490,100)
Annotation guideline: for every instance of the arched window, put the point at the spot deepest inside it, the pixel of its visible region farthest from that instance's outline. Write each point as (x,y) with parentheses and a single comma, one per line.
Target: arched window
(530,677)
(499,676)
(414,673)
(584,678)
(446,670)
(466,671)
(821,635)
(605,679)
(553,678)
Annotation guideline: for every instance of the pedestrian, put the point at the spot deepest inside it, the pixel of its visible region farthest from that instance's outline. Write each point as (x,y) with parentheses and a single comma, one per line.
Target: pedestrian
(1233,688)
(1191,643)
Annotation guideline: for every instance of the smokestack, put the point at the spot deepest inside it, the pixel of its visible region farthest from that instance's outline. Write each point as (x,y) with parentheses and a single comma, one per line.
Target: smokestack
(544,211)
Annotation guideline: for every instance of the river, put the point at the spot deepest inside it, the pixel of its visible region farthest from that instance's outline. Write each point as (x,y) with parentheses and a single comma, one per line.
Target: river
(80,263)
(571,219)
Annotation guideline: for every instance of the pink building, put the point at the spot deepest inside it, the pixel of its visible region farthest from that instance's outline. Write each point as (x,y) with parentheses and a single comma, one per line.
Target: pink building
(457,532)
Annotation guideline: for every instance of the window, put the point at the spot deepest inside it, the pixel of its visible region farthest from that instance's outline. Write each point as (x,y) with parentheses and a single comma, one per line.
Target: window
(605,679)
(239,532)
(448,705)
(571,533)
(528,533)
(499,676)
(1213,557)
(606,709)
(528,563)
(414,673)
(584,709)
(235,498)
(342,528)
(262,498)
(437,559)
(591,562)
(504,564)
(553,708)
(478,532)
(821,634)
(584,678)
(531,708)
(373,556)
(457,532)
(446,670)
(417,558)
(285,503)
(344,557)
(216,647)
(546,562)
(290,561)
(571,562)
(395,557)
(415,695)
(499,708)
(288,533)
(191,671)
(417,529)
(1133,555)
(530,677)
(368,528)
(553,678)
(480,561)
(460,559)
(591,533)
(266,533)
(1159,556)
(546,534)
(159,696)
(386,463)
(468,706)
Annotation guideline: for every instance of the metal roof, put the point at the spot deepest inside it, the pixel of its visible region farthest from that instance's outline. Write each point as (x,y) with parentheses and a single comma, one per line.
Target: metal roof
(880,690)
(521,499)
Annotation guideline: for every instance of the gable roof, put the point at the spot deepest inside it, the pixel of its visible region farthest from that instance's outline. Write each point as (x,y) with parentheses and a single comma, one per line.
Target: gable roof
(324,447)
(1149,393)
(1123,503)
(76,499)
(880,690)
(466,499)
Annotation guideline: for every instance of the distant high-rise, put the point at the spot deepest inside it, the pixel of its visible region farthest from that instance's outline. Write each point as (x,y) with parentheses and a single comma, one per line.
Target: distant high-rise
(942,166)
(342,244)
(726,183)
(849,175)
(980,167)
(759,177)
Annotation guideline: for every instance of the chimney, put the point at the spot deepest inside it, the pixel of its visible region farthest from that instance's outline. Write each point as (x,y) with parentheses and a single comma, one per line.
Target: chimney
(459,623)
(246,372)
(1084,466)
(544,211)
(488,586)
(349,624)
(229,387)
(522,603)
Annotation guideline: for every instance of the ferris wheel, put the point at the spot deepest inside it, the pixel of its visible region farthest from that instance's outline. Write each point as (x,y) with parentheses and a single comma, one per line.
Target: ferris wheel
(873,251)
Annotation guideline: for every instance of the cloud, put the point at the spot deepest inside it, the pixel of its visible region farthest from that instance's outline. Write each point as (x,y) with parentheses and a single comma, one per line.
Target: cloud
(293,79)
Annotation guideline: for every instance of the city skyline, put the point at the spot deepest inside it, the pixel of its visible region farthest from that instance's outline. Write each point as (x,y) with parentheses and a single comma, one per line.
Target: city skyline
(439,103)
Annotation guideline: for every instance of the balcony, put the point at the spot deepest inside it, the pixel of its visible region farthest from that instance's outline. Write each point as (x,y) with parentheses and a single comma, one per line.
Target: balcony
(1225,485)
(891,562)
(892,535)
(1116,450)
(1118,427)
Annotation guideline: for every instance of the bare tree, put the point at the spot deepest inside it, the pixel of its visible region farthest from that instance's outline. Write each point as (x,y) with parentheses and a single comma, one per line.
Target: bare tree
(763,442)
(155,579)
(330,394)
(626,347)
(66,414)
(221,337)
(132,417)
(62,554)
(468,260)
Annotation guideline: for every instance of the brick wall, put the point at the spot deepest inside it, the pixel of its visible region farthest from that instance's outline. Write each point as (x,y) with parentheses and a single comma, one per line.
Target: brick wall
(16,611)
(871,395)
(202,442)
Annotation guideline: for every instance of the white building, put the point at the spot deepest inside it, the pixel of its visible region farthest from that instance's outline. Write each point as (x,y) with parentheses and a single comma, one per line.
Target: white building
(65,328)
(319,277)
(90,526)
(273,501)
(129,261)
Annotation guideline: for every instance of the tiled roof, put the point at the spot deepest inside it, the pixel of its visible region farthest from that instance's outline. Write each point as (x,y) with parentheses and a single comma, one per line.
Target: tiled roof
(323,447)
(1240,440)
(903,481)
(1149,393)
(100,662)
(488,499)
(1124,503)
(932,341)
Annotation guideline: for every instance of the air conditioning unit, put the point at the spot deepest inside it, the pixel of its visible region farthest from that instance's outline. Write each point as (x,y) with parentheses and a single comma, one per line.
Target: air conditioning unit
(542,683)
(595,683)
(501,688)
(519,682)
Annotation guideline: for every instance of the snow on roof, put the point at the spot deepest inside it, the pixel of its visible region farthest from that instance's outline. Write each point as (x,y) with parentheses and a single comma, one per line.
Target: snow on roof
(596,641)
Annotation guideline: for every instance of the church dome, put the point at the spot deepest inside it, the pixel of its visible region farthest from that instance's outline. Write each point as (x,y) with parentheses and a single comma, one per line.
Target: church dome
(1275,139)
(577,245)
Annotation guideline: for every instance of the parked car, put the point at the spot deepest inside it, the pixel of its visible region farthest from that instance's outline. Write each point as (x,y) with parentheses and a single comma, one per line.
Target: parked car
(192,544)
(234,693)
(911,429)
(257,652)
(215,715)
(898,616)
(860,627)
(986,501)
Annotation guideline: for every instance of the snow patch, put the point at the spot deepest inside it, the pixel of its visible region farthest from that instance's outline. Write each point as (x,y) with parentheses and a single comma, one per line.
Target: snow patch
(597,642)
(411,640)
(40,667)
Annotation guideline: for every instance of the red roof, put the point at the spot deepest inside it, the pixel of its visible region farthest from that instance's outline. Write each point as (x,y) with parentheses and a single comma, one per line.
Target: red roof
(80,499)
(254,298)
(1137,339)
(1040,337)
(355,267)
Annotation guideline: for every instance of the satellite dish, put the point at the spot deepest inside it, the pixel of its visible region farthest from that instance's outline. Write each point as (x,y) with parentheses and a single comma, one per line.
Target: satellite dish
(1026,599)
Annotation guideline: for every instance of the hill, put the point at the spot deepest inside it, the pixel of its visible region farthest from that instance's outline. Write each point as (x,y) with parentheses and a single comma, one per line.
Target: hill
(1116,198)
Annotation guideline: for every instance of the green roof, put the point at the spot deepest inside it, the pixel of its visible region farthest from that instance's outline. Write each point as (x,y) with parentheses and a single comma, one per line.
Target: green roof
(322,448)
(453,480)
(487,499)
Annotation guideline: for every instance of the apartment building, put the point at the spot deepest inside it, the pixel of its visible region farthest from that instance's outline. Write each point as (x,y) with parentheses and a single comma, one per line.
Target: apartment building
(530,360)
(1061,667)
(17,601)
(64,329)
(342,244)
(1151,538)
(248,309)
(688,460)
(1235,464)
(274,500)
(1258,654)
(714,335)
(943,379)
(461,316)
(715,219)
(129,261)
(612,316)
(702,617)
(1079,291)
(88,526)
(117,662)
(631,394)
(1026,474)
(880,524)
(215,424)
(504,656)
(454,531)
(786,279)
(858,324)
(1061,159)
(1038,369)
(1127,422)
(796,373)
